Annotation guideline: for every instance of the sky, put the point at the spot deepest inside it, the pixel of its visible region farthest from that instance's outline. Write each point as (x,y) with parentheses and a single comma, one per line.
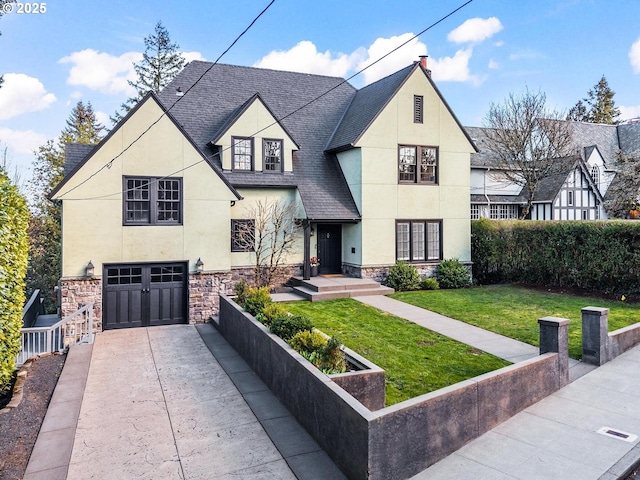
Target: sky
(65,51)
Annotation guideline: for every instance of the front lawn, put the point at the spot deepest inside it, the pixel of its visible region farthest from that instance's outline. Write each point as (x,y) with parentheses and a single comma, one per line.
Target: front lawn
(514,311)
(416,360)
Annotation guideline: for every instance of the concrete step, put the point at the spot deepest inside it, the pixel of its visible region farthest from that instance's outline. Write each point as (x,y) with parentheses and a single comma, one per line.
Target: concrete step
(335,284)
(315,296)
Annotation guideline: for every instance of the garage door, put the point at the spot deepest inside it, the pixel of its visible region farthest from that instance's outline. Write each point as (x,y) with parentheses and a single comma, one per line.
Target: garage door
(141,295)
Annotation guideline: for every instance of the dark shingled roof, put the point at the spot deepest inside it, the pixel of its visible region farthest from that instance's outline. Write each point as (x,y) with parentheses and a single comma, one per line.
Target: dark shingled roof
(74,153)
(519,199)
(483,158)
(629,138)
(365,106)
(605,137)
(205,109)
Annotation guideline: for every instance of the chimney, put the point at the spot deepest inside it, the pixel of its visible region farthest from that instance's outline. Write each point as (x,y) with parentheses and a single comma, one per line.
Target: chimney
(423,62)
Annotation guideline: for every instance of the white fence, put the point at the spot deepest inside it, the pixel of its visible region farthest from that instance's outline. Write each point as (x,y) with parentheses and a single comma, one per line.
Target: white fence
(75,328)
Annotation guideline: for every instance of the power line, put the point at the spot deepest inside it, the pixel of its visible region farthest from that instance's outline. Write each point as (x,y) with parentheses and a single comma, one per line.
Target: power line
(110,162)
(278,120)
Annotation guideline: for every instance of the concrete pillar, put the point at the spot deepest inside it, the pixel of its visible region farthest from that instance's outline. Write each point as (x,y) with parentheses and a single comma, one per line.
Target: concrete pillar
(554,338)
(595,335)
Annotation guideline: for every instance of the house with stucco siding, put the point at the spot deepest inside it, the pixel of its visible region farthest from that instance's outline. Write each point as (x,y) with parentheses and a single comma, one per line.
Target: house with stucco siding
(376,175)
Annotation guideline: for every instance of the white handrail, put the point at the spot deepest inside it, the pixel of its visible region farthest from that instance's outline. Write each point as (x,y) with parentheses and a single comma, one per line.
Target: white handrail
(73,329)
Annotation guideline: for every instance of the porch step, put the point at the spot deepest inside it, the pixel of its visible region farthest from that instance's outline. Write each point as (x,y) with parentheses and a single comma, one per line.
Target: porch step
(315,296)
(332,287)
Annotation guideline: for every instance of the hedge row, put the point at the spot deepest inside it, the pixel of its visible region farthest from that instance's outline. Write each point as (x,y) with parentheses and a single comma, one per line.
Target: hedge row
(13,267)
(603,256)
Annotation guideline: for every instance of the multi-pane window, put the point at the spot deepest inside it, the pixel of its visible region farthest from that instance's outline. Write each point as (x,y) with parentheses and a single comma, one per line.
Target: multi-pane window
(152,201)
(417,164)
(595,175)
(503,212)
(272,155)
(570,197)
(242,153)
(475,211)
(418,240)
(167,274)
(243,235)
(418,108)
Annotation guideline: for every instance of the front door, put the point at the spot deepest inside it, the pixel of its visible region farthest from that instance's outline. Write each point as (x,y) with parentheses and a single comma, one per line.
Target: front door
(330,248)
(144,295)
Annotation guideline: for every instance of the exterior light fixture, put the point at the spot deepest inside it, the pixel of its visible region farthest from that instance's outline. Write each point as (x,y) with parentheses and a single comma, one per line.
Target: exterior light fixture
(89,269)
(199,266)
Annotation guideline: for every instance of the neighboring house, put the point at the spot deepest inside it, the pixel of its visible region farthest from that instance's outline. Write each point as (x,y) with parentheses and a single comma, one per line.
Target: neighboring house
(575,192)
(378,175)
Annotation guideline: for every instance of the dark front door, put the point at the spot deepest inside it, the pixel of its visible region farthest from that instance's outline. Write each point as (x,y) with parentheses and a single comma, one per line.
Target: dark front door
(330,248)
(144,295)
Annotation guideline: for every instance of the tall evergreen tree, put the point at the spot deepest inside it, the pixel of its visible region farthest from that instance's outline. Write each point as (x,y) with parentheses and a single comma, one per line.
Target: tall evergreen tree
(598,107)
(45,221)
(161,62)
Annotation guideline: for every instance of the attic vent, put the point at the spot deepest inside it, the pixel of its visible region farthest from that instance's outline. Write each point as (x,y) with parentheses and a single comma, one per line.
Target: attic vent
(418,108)
(179,92)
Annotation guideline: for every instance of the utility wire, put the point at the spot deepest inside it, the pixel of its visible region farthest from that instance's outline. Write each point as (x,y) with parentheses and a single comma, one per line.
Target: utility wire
(110,162)
(278,120)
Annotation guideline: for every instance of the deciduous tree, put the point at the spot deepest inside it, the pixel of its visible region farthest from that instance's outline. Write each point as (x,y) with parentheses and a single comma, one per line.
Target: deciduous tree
(622,195)
(526,138)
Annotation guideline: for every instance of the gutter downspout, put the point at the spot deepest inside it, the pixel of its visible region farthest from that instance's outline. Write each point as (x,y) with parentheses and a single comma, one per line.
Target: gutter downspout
(485,194)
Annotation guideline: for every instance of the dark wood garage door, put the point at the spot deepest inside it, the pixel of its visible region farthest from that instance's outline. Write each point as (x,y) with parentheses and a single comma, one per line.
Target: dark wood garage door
(144,295)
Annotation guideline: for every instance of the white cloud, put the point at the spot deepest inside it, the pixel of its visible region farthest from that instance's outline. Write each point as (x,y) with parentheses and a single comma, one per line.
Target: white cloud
(102,71)
(499,43)
(103,118)
(399,59)
(22,141)
(454,69)
(304,57)
(191,56)
(475,30)
(627,113)
(493,65)
(634,56)
(21,93)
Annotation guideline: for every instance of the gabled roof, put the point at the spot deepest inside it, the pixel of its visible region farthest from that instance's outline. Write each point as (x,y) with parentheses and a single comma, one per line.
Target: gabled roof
(370,101)
(307,106)
(483,157)
(95,148)
(74,153)
(240,111)
(629,138)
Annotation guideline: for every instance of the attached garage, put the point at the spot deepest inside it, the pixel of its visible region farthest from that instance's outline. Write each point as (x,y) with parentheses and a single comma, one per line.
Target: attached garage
(142,295)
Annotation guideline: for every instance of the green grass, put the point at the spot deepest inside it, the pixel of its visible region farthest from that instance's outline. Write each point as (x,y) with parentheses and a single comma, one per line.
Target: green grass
(514,311)
(416,360)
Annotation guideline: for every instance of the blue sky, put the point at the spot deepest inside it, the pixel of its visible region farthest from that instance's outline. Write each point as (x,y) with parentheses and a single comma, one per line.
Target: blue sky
(83,50)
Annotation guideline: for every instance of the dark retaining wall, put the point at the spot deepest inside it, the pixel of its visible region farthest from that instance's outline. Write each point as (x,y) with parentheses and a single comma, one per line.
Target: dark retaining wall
(598,345)
(401,440)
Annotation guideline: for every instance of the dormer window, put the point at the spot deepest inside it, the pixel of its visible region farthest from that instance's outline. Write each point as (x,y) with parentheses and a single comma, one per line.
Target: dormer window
(242,153)
(595,175)
(418,108)
(272,151)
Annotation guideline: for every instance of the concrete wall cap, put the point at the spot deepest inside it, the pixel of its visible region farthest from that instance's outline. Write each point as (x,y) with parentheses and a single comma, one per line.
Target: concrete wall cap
(551,321)
(599,310)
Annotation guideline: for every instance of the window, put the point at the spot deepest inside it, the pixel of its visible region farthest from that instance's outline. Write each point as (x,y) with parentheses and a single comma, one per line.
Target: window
(503,212)
(418,105)
(569,198)
(595,175)
(585,214)
(418,240)
(417,164)
(272,155)
(152,201)
(475,211)
(242,149)
(242,235)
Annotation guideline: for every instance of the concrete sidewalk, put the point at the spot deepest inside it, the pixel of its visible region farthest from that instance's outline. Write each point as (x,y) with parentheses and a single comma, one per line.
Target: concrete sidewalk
(158,405)
(504,347)
(559,437)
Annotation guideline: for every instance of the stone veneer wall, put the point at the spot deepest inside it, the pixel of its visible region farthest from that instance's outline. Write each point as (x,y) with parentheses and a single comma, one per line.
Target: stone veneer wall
(380,273)
(78,292)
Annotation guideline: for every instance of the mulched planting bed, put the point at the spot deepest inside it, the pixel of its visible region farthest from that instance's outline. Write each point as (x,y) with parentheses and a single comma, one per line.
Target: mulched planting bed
(19,426)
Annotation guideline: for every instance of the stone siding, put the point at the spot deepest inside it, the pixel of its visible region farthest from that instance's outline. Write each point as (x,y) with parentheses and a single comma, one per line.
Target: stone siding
(75,293)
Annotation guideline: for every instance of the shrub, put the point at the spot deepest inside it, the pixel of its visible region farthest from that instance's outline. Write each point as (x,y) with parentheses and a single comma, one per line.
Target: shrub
(287,327)
(429,284)
(271,312)
(452,274)
(13,268)
(308,341)
(240,290)
(331,357)
(256,299)
(403,276)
